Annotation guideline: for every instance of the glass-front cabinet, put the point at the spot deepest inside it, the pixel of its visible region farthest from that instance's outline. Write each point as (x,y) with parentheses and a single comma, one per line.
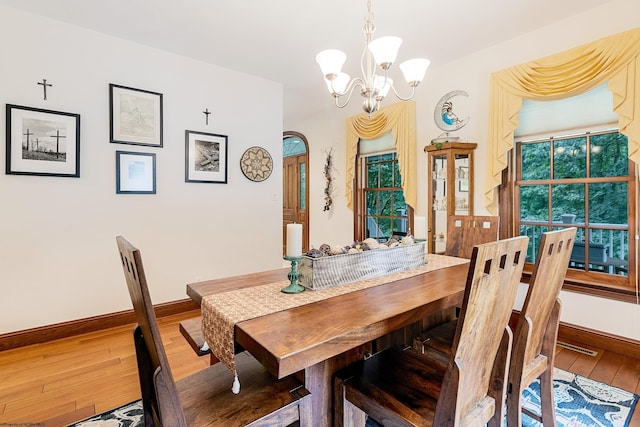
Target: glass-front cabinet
(450,168)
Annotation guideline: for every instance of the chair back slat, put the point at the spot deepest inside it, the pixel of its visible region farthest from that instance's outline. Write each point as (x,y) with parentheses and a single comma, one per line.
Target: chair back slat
(161,400)
(492,283)
(546,281)
(466,231)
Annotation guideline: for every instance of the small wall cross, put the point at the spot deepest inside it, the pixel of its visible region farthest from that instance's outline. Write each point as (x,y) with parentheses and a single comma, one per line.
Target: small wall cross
(206,113)
(44,87)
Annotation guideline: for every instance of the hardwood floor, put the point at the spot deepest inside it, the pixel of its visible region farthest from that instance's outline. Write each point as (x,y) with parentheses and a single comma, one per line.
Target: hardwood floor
(67,380)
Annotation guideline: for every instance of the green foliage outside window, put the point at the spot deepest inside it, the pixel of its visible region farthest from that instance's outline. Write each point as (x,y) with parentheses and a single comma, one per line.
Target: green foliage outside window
(583,175)
(385,204)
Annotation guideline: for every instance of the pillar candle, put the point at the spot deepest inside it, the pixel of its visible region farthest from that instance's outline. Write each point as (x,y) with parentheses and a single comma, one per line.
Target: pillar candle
(294,240)
(420,227)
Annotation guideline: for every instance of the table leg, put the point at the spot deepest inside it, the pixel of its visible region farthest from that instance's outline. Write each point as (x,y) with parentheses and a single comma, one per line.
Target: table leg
(318,380)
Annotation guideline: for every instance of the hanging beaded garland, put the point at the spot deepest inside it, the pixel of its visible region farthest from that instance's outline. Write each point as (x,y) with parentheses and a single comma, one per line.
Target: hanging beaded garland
(328,201)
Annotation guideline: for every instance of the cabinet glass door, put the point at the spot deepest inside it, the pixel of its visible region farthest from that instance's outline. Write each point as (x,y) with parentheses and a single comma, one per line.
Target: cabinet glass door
(461,184)
(451,189)
(440,196)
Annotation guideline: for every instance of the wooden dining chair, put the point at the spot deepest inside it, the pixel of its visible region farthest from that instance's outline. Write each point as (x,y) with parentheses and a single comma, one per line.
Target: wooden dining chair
(535,329)
(401,387)
(536,333)
(204,398)
(466,231)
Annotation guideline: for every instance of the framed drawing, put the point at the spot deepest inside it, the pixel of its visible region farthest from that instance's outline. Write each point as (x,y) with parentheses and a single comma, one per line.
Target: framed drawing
(205,157)
(42,142)
(256,164)
(136,116)
(463,185)
(135,172)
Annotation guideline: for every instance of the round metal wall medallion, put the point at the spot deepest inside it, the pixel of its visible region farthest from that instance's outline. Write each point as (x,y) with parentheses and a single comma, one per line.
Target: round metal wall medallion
(256,164)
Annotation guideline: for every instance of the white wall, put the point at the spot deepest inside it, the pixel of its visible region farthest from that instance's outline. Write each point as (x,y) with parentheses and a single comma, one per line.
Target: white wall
(58,256)
(471,74)
(324,133)
(58,259)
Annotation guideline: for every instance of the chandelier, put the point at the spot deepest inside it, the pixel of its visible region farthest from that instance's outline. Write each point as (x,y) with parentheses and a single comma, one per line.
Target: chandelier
(378,54)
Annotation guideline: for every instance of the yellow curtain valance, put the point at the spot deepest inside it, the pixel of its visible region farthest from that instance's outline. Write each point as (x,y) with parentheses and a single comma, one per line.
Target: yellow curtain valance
(400,119)
(615,59)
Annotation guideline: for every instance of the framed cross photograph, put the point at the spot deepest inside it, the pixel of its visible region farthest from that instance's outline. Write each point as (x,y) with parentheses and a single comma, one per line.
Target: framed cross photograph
(135,172)
(205,157)
(135,116)
(42,142)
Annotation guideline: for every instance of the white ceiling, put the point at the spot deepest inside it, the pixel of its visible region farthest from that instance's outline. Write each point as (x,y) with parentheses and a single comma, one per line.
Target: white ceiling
(278,39)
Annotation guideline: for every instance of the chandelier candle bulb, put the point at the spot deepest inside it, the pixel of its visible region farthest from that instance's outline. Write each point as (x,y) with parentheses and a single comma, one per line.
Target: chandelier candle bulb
(331,61)
(385,50)
(414,70)
(383,85)
(338,85)
(294,240)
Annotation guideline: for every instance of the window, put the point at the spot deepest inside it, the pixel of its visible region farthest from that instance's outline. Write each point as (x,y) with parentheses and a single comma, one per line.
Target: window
(381,210)
(584,180)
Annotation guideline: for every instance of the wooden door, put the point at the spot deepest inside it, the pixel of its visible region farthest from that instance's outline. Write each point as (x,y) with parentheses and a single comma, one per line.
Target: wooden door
(289,196)
(295,194)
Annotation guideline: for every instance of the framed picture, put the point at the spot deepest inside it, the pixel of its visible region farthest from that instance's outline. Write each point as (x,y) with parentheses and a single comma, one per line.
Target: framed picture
(463,185)
(205,157)
(135,172)
(42,142)
(136,116)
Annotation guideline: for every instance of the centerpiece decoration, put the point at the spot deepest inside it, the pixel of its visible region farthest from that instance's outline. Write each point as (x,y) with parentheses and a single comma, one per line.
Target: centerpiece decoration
(329,266)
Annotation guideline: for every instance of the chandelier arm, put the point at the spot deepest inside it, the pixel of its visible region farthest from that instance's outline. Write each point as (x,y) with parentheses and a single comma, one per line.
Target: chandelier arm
(348,91)
(357,81)
(413,91)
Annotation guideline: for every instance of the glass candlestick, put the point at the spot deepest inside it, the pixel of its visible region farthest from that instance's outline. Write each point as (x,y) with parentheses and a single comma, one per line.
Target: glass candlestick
(294,287)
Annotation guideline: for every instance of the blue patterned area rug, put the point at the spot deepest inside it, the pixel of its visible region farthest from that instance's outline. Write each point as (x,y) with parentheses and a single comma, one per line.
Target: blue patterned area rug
(580,402)
(129,415)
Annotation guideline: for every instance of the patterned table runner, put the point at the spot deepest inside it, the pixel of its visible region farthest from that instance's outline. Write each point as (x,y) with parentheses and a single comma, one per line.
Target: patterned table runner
(221,312)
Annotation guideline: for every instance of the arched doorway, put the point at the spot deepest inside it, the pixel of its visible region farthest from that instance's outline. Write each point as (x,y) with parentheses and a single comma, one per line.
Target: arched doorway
(295,185)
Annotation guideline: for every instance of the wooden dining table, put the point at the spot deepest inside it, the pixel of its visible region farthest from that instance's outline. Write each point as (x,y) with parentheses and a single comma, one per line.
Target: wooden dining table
(315,340)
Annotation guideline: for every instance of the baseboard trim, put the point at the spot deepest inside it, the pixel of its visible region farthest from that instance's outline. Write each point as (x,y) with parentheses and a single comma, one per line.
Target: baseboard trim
(91,324)
(591,338)
(578,335)
(567,332)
